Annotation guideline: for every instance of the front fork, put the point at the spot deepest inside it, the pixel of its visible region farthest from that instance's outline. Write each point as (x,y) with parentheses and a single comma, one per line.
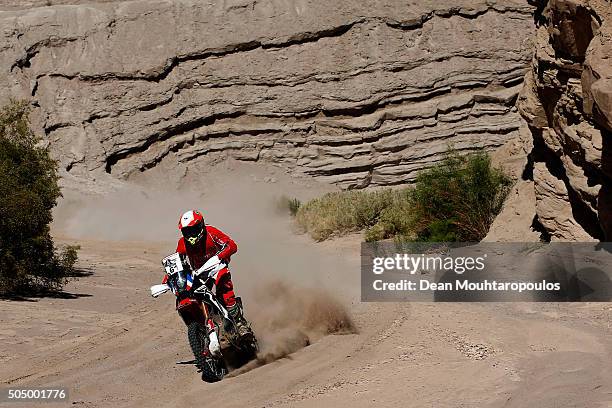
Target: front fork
(213,345)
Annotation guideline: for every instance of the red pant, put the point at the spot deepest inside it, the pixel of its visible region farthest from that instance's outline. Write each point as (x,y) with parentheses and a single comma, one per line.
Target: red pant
(225,287)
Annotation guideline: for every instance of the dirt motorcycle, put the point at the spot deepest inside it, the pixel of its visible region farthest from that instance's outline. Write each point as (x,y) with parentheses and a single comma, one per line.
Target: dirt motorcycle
(211,331)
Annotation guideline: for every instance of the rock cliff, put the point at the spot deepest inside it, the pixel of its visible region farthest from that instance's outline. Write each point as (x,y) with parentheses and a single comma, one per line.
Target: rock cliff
(355,93)
(567,102)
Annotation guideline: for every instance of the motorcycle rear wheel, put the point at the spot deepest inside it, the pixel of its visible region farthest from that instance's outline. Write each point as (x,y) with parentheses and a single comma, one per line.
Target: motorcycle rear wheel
(213,369)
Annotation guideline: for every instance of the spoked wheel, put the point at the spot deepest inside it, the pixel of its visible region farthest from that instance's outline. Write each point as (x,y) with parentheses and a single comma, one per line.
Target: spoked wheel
(213,369)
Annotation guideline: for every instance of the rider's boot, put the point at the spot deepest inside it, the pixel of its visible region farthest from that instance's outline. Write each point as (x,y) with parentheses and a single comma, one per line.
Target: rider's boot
(242,326)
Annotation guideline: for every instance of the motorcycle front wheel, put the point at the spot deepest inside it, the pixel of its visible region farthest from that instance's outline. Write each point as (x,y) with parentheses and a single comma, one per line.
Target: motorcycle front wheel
(213,369)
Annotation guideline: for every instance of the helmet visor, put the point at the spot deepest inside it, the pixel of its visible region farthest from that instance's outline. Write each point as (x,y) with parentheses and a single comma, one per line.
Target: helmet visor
(194,233)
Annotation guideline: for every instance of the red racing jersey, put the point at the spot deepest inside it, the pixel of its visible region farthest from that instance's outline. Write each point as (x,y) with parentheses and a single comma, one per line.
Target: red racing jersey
(216,243)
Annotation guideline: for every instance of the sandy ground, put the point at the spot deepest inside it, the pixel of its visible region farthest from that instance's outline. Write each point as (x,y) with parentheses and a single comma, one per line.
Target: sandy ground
(113,345)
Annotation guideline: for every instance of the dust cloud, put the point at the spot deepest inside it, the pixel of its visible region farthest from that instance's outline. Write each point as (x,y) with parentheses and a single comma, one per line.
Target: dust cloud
(289,318)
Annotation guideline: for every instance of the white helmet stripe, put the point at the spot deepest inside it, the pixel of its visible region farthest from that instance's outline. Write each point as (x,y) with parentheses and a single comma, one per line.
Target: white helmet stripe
(187,218)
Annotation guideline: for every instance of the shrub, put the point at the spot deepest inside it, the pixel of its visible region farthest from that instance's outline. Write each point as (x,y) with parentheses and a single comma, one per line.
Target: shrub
(28,192)
(294,205)
(458,199)
(285,204)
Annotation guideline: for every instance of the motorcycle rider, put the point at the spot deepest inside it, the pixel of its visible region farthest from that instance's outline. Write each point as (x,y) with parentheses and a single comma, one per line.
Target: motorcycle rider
(201,242)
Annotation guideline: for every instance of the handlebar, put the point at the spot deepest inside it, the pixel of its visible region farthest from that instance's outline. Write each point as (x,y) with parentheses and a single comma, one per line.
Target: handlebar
(212,266)
(174,265)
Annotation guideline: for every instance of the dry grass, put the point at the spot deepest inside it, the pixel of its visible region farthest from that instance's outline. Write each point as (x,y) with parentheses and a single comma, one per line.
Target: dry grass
(343,212)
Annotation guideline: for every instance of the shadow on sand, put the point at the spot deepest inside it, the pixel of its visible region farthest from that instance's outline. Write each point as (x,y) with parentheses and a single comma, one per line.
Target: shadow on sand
(35,295)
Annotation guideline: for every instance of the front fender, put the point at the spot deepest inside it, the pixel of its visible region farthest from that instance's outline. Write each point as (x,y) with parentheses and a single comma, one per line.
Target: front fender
(190,310)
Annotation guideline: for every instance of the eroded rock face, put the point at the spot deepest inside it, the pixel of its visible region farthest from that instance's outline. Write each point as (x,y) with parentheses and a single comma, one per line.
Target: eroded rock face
(357,93)
(514,222)
(567,102)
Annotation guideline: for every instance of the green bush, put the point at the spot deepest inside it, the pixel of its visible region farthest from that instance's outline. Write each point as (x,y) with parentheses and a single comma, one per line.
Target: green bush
(28,192)
(458,199)
(455,200)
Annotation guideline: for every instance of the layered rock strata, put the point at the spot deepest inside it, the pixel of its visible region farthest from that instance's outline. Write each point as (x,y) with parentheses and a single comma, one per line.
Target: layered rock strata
(355,93)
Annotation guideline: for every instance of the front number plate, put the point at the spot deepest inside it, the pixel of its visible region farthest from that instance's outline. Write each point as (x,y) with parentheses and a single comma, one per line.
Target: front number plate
(172,263)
